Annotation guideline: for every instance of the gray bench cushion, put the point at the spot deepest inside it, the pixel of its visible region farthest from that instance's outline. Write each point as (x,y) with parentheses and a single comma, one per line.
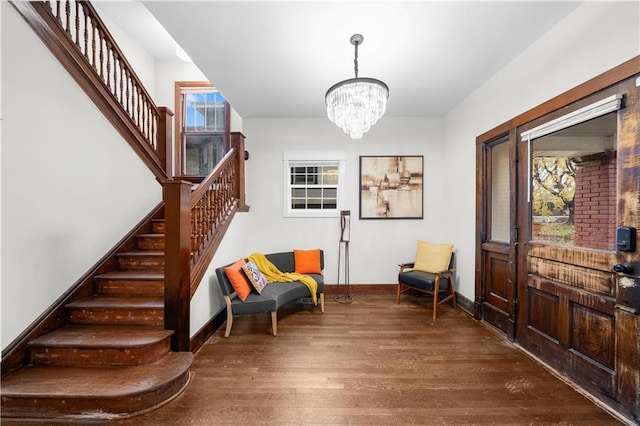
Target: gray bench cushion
(273,296)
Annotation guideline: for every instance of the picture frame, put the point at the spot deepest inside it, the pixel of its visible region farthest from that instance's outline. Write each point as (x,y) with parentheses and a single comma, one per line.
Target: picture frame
(391,187)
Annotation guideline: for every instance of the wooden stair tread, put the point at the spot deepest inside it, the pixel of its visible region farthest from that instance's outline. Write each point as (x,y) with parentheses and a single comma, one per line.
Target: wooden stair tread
(132,274)
(149,253)
(119,302)
(44,382)
(104,336)
(150,235)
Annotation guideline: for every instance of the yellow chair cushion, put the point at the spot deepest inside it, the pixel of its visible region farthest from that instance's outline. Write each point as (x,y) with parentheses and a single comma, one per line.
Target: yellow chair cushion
(433,258)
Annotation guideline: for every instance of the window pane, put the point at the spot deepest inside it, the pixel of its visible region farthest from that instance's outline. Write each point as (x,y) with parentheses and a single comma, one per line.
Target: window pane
(204,130)
(298,204)
(573,185)
(330,175)
(500,192)
(314,192)
(202,153)
(329,204)
(204,112)
(299,193)
(330,193)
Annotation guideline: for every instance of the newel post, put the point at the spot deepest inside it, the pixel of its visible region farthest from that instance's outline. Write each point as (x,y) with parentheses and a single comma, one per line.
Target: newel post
(237,142)
(177,262)
(165,136)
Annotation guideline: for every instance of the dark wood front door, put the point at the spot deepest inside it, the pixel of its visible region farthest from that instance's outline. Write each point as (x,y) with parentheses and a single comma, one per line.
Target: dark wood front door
(578,185)
(495,293)
(551,270)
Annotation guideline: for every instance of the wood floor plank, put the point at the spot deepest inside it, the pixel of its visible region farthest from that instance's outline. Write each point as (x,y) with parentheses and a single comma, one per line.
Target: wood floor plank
(370,362)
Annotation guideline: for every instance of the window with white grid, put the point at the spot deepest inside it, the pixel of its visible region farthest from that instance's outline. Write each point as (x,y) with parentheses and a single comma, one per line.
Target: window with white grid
(312,186)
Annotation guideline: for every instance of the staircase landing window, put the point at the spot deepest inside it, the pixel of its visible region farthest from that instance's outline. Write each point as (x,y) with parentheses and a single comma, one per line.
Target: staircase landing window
(202,128)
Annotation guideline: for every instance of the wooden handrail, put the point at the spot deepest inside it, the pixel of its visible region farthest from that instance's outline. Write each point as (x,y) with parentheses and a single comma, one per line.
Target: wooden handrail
(79,39)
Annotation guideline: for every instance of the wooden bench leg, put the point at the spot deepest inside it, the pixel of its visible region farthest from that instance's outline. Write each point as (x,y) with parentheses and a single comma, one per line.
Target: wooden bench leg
(322,302)
(227,331)
(274,322)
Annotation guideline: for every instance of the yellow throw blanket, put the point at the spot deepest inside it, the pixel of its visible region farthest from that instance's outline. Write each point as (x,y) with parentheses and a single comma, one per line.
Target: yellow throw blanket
(273,274)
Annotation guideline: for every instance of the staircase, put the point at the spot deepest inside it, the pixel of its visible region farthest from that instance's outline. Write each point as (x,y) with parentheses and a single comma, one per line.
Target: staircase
(112,358)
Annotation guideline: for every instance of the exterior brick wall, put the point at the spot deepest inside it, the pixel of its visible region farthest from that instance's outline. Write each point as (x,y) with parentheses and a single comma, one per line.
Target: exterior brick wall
(595,203)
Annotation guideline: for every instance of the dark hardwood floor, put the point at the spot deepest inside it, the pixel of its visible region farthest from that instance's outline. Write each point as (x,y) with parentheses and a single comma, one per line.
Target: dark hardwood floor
(370,362)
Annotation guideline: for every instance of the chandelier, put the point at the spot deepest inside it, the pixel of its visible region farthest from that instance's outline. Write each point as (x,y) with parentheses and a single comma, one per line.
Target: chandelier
(356,104)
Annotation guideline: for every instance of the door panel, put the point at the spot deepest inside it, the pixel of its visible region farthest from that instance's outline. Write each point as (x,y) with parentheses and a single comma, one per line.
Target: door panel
(497,287)
(496,304)
(543,313)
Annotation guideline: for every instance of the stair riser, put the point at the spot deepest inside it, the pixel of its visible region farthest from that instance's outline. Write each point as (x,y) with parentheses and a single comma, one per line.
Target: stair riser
(158,227)
(130,287)
(99,357)
(149,317)
(141,262)
(150,243)
(87,409)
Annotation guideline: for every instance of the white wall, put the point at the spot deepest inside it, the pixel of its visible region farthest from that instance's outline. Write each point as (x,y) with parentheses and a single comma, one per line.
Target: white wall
(377,246)
(596,37)
(64,168)
(1,120)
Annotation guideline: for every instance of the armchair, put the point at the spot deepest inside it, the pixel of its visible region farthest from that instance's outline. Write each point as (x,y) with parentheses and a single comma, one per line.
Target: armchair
(431,277)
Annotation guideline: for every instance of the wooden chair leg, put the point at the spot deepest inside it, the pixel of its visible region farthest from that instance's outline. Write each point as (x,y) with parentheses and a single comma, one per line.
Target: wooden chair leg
(322,302)
(274,322)
(436,287)
(453,291)
(398,295)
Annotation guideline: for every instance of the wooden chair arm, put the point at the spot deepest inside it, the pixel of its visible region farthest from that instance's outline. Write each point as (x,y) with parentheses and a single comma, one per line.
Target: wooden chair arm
(404,266)
(447,272)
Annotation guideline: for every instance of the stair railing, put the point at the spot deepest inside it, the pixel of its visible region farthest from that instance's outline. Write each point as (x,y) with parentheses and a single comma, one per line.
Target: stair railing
(78,37)
(196,219)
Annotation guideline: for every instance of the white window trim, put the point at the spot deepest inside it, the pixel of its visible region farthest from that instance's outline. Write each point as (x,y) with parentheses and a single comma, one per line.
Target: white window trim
(290,158)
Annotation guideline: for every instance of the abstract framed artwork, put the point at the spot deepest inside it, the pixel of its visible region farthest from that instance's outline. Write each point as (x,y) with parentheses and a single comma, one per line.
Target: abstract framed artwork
(391,187)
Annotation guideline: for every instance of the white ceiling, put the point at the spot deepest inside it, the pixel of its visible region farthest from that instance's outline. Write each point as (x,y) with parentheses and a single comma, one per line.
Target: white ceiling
(278,58)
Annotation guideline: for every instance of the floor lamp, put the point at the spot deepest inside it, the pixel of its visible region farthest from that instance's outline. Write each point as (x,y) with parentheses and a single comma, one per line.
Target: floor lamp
(343,256)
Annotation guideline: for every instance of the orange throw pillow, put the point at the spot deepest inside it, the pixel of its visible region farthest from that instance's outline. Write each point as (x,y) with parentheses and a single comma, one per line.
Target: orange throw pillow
(238,279)
(307,261)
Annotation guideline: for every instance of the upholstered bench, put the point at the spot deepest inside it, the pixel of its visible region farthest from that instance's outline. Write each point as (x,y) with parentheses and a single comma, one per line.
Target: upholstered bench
(273,295)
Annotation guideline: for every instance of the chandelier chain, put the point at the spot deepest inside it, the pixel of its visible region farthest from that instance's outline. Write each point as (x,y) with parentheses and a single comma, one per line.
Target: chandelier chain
(355,59)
